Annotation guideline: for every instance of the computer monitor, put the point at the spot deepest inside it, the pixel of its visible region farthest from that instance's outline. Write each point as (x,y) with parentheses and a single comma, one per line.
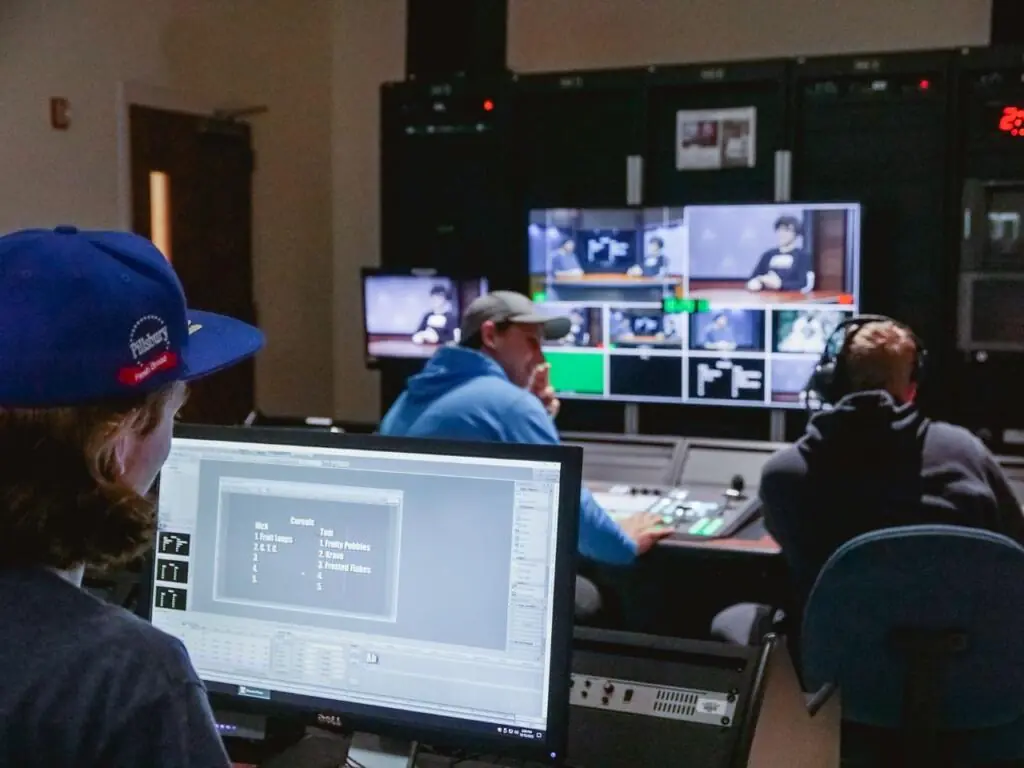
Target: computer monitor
(409,587)
(408,314)
(713,304)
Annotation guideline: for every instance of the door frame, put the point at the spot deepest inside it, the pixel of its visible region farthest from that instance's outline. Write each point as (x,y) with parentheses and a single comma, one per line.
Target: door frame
(129,94)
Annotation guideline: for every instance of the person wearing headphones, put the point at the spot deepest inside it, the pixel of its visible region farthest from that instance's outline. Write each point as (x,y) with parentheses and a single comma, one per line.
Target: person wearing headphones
(873,461)
(494,387)
(96,347)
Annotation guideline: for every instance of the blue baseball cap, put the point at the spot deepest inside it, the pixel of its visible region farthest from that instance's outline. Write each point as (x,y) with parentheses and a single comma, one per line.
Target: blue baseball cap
(88,316)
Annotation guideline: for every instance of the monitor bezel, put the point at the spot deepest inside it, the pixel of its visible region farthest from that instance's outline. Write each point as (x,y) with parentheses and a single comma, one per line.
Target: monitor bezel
(449,735)
(686,354)
(373,362)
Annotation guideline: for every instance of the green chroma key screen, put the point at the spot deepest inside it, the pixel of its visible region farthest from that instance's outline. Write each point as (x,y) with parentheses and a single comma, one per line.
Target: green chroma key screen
(577,372)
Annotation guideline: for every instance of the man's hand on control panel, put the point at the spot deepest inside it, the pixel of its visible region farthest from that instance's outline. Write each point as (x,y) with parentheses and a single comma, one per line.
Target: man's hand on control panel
(646,530)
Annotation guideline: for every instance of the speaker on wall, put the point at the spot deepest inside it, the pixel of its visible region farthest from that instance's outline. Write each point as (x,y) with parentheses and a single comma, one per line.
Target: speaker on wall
(455,37)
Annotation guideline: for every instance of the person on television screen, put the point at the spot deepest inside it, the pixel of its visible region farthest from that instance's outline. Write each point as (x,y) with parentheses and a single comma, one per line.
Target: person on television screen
(97,346)
(807,334)
(655,263)
(669,327)
(564,262)
(494,386)
(718,335)
(786,267)
(578,335)
(439,325)
(646,325)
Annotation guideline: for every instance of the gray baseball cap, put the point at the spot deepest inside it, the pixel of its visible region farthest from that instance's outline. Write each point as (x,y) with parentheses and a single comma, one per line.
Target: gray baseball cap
(511,307)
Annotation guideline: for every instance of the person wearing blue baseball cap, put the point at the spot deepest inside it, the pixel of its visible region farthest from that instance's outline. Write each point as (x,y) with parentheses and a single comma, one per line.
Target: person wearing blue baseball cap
(96,348)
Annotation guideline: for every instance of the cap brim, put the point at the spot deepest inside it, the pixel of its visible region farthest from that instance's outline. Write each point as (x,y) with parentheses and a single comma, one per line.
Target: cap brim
(216,342)
(554,327)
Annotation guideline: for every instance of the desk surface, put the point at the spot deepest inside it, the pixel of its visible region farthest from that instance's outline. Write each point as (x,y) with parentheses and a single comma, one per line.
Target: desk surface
(741,296)
(617,279)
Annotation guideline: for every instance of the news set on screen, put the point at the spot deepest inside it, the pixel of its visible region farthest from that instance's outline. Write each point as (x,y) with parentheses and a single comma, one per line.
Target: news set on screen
(715,304)
(411,315)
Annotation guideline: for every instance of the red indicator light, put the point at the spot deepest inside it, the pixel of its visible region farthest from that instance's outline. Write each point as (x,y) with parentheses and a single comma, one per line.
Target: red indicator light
(1011,121)
(488,105)
(924,85)
(845,298)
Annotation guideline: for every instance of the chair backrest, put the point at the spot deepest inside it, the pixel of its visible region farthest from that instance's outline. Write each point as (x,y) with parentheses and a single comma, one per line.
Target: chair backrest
(920,577)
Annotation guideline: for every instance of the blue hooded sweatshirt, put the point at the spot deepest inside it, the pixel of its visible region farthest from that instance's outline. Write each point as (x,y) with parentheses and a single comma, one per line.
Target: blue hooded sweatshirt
(462,394)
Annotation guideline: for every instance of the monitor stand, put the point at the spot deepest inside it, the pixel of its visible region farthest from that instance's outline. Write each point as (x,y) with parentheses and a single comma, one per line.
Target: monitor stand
(777,426)
(631,425)
(317,749)
(414,753)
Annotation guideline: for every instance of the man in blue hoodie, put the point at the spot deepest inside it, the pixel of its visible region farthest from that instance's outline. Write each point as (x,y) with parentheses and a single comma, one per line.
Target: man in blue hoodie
(493,387)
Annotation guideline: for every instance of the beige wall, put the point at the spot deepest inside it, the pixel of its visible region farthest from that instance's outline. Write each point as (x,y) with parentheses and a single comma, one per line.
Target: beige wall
(369,49)
(587,34)
(223,52)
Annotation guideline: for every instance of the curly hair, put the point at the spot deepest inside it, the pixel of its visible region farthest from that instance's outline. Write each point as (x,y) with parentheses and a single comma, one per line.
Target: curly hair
(63,502)
(881,355)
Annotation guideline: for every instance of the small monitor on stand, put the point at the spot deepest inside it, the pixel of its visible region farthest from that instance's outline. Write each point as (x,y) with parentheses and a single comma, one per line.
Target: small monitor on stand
(412,588)
(410,314)
(325,423)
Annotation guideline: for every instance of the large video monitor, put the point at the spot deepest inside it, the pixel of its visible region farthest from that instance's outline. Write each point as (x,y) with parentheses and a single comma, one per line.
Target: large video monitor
(409,314)
(712,304)
(412,587)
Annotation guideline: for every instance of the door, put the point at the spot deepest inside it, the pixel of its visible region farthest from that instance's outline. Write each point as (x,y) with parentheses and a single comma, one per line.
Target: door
(192,195)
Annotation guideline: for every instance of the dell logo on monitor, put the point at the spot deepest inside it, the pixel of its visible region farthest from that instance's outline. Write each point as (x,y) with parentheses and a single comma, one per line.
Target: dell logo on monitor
(332,720)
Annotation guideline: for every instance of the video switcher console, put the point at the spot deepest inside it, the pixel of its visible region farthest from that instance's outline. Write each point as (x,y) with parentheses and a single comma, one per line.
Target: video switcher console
(697,512)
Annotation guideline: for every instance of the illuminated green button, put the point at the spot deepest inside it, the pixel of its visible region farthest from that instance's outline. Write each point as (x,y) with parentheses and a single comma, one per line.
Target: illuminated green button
(540,297)
(714,523)
(697,529)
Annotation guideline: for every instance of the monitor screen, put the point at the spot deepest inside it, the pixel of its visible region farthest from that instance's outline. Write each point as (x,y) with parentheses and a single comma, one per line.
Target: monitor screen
(416,587)
(410,314)
(709,304)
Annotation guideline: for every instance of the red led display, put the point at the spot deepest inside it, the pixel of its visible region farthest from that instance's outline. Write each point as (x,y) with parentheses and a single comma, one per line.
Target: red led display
(1012,121)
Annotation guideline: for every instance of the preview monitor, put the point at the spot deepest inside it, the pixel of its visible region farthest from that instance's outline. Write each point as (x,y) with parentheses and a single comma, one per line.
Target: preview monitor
(412,587)
(712,304)
(410,314)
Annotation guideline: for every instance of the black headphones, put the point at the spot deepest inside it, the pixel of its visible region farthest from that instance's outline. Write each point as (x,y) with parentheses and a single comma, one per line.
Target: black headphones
(829,383)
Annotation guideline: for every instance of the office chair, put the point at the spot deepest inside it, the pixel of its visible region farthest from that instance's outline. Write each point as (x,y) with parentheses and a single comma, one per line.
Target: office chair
(921,629)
